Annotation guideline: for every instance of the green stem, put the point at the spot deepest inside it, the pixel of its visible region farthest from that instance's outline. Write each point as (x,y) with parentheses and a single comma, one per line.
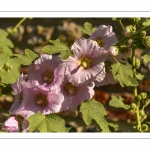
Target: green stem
(132,36)
(115,59)
(19,23)
(121,24)
(135,93)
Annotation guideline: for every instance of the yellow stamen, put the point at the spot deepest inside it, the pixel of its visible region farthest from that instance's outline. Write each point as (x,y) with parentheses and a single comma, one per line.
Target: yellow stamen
(100,41)
(85,62)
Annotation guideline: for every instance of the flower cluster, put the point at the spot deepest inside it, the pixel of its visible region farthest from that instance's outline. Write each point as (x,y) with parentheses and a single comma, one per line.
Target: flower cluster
(53,85)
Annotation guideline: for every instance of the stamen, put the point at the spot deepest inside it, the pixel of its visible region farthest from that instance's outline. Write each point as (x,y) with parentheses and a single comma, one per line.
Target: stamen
(41,100)
(100,41)
(70,89)
(48,76)
(85,62)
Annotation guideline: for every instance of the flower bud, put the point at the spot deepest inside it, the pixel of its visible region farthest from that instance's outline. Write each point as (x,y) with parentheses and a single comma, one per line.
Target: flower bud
(142,34)
(138,98)
(143,95)
(133,107)
(113,51)
(146,41)
(142,113)
(144,127)
(129,30)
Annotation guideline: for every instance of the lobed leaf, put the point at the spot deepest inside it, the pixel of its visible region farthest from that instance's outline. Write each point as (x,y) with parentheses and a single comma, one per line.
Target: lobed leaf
(139,76)
(123,73)
(88,29)
(146,58)
(5,43)
(47,123)
(117,102)
(26,59)
(92,109)
(57,46)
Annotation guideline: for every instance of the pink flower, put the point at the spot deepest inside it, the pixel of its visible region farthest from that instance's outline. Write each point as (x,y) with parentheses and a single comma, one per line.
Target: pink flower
(11,124)
(104,36)
(46,70)
(74,95)
(19,90)
(87,63)
(40,99)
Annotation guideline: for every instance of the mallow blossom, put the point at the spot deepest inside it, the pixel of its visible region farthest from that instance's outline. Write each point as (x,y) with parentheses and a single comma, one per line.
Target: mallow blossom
(87,63)
(11,124)
(74,95)
(19,89)
(41,99)
(104,36)
(46,70)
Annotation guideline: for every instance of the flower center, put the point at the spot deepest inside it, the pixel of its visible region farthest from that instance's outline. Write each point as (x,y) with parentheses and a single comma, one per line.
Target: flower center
(70,89)
(100,41)
(20,96)
(85,62)
(48,76)
(41,100)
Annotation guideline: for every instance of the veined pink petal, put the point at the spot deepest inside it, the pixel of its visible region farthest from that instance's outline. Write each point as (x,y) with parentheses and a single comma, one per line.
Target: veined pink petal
(106,34)
(87,63)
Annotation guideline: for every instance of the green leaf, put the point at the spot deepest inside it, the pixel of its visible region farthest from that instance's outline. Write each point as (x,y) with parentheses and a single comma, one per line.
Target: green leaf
(88,29)
(25,59)
(139,76)
(146,58)
(113,124)
(57,46)
(3,33)
(117,102)
(146,22)
(5,43)
(47,123)
(123,73)
(92,109)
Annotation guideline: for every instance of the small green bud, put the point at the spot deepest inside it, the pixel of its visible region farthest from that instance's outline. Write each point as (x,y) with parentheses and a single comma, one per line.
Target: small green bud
(137,63)
(146,41)
(113,51)
(143,95)
(142,113)
(138,98)
(144,127)
(133,107)
(142,34)
(129,30)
